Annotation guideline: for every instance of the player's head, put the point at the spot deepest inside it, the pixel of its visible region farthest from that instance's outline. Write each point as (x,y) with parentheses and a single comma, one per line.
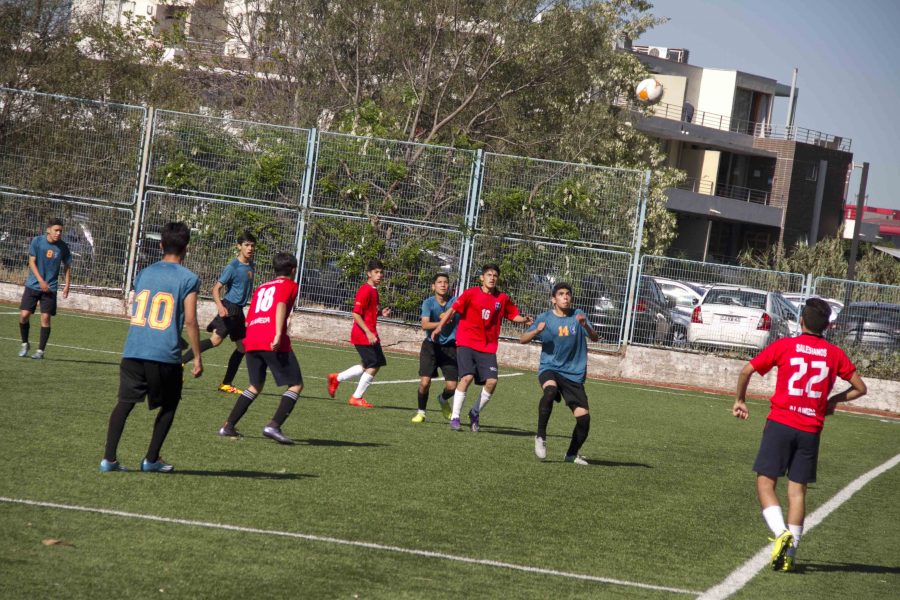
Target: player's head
(440,284)
(174,239)
(284,264)
(490,274)
(54,229)
(561,295)
(246,244)
(815,315)
(374,271)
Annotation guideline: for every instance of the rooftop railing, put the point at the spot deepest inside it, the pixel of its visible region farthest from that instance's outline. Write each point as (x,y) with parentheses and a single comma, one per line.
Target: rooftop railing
(735,192)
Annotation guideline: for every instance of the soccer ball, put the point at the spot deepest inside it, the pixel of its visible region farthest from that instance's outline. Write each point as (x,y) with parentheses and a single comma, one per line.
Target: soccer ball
(649,91)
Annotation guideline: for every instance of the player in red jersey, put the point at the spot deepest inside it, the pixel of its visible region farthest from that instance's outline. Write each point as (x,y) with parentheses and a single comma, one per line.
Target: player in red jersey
(364,335)
(481,310)
(807,369)
(269,347)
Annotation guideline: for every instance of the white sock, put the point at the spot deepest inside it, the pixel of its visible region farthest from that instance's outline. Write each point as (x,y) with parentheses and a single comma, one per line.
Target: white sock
(351,373)
(459,398)
(774,519)
(421,412)
(796,531)
(364,380)
(483,400)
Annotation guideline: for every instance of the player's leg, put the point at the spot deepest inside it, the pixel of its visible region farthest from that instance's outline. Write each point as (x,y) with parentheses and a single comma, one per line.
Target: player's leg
(219,330)
(335,379)
(256,373)
(372,360)
(576,399)
(776,450)
(450,370)
(802,472)
(26,308)
(132,389)
(486,375)
(422,399)
(467,367)
(549,393)
(234,364)
(165,382)
(48,309)
(427,370)
(286,371)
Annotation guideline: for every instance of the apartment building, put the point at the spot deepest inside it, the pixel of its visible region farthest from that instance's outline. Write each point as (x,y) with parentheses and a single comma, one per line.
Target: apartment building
(751,183)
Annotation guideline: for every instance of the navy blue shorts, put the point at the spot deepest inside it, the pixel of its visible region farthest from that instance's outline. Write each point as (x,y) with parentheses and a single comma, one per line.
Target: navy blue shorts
(482,365)
(787,451)
(283,365)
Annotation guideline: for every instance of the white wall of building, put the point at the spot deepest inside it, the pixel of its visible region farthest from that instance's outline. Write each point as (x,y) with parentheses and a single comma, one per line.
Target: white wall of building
(717,91)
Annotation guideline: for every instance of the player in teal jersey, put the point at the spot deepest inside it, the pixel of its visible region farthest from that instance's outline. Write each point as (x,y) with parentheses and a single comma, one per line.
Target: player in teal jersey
(163,301)
(563,332)
(46,255)
(439,353)
(237,278)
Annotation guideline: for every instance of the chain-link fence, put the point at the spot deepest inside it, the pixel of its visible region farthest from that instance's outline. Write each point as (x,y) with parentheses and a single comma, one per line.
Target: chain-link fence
(228,158)
(866,323)
(69,148)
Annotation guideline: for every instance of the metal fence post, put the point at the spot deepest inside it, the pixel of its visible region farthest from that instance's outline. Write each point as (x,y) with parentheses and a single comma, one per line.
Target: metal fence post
(139,200)
(312,147)
(635,263)
(471,219)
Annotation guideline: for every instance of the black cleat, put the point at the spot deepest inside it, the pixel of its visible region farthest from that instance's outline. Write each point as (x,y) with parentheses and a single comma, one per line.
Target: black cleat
(274,433)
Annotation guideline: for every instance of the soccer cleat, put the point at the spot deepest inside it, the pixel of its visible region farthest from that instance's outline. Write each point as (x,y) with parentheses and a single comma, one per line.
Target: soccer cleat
(419,418)
(24,351)
(228,431)
(577,459)
(446,409)
(156,467)
(108,467)
(473,421)
(540,447)
(780,549)
(333,384)
(454,424)
(38,355)
(788,565)
(274,433)
(361,402)
(230,389)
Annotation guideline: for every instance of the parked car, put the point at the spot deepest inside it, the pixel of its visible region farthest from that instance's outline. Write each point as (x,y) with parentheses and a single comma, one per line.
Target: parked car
(685,297)
(872,324)
(797,301)
(652,311)
(738,317)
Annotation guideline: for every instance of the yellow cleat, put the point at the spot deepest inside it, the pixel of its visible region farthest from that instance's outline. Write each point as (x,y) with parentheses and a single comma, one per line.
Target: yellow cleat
(788,564)
(230,389)
(780,549)
(446,409)
(419,418)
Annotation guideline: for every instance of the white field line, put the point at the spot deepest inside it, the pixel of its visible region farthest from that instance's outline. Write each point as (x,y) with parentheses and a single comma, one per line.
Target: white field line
(93,350)
(747,571)
(353,543)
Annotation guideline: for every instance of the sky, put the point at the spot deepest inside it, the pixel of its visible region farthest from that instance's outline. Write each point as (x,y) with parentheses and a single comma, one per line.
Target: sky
(847,53)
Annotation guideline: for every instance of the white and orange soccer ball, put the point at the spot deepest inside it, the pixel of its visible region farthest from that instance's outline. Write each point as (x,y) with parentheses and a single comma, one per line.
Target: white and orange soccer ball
(649,91)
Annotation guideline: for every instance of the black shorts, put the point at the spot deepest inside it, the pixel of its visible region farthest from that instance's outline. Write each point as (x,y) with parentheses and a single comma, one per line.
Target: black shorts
(233,326)
(30,299)
(482,365)
(434,356)
(159,382)
(785,450)
(371,356)
(284,366)
(566,389)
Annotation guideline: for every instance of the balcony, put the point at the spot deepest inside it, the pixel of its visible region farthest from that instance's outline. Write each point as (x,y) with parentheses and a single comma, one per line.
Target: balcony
(735,192)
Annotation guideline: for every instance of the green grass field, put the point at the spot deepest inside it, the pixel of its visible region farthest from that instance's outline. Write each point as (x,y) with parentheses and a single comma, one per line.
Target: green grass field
(668,499)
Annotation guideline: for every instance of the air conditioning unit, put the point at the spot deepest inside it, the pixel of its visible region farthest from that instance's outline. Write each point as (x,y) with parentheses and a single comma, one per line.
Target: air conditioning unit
(658,51)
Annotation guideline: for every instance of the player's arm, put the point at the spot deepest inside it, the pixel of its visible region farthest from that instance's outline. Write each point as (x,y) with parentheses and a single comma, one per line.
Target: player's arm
(856,390)
(583,321)
(193,331)
(67,272)
(217,298)
(280,321)
(32,264)
(445,317)
(428,324)
(358,319)
(529,335)
(739,409)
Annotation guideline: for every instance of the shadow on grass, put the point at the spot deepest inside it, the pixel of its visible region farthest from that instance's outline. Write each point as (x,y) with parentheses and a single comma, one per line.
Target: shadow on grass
(317,442)
(841,567)
(613,463)
(244,474)
(85,362)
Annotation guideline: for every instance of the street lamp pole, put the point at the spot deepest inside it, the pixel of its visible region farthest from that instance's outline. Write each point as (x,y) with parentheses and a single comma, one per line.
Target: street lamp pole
(857,222)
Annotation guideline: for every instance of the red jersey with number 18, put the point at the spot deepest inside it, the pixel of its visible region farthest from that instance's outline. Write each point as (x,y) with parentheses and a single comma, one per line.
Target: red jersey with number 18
(480,315)
(807,368)
(261,316)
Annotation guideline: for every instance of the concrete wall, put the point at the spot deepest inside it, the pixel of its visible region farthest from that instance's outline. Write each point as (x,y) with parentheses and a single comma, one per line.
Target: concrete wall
(639,365)
(673,89)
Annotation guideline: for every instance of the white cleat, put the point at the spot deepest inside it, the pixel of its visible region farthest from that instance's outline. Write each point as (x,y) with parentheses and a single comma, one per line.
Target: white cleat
(577,459)
(540,447)
(24,351)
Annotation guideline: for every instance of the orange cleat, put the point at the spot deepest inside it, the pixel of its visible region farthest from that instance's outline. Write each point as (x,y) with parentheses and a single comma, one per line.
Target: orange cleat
(333,384)
(361,402)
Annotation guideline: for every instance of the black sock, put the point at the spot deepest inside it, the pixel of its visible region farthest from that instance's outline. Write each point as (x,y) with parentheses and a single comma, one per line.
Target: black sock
(161,427)
(24,328)
(116,427)
(234,363)
(189,355)
(240,407)
(288,400)
(45,335)
(545,407)
(447,394)
(423,400)
(579,434)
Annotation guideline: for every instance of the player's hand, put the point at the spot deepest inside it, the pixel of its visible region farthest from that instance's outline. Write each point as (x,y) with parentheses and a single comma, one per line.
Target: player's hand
(740,411)
(66,292)
(581,318)
(275,342)
(223,312)
(385,312)
(373,339)
(829,408)
(540,327)
(197,369)
(435,333)
(529,320)
(44,286)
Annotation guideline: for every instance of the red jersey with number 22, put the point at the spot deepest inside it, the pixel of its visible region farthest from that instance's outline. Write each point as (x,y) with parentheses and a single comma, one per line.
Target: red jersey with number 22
(261,316)
(807,369)
(366,305)
(480,316)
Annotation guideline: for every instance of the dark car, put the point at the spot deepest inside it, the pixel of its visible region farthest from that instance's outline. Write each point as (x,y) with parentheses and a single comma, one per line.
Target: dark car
(652,314)
(872,324)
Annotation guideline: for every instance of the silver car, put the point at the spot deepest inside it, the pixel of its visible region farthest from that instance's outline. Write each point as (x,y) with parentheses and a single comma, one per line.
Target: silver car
(739,317)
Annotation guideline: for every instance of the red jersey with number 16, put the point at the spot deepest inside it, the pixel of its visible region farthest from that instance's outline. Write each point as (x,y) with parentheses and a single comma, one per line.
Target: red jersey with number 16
(366,305)
(480,316)
(807,368)
(261,316)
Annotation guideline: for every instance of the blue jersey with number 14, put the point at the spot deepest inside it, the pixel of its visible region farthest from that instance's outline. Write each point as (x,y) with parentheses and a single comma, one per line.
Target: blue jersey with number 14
(563,345)
(157,312)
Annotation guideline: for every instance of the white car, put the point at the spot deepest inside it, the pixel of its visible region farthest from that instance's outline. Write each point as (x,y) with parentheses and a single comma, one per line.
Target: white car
(798,299)
(738,317)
